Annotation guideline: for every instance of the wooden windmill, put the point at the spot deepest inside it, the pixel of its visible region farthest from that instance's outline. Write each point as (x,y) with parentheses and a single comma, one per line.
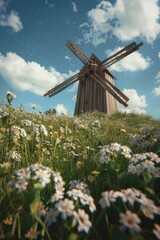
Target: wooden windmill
(96,90)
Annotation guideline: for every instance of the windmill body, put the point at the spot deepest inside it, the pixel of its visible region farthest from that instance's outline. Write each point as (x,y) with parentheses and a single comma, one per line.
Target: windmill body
(91,95)
(96,89)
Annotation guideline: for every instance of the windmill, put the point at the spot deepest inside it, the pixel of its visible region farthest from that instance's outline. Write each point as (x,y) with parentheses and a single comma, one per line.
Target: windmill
(96,89)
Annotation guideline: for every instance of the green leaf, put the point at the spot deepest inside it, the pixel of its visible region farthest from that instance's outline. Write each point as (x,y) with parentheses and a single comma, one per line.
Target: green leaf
(149,190)
(36,200)
(73,236)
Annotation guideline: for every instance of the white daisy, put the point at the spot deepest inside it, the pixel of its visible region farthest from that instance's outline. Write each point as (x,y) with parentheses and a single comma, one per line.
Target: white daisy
(43,176)
(107,198)
(23,173)
(82,219)
(130,221)
(148,165)
(21,185)
(65,207)
(156,231)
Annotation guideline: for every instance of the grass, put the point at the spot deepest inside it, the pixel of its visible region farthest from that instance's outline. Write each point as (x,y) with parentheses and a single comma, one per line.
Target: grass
(89,177)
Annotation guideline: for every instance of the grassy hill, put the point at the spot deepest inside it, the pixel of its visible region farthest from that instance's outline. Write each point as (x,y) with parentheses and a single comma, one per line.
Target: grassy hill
(88,177)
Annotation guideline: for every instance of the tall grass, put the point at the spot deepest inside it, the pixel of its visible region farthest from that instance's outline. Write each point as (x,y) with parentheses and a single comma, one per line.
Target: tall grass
(88,177)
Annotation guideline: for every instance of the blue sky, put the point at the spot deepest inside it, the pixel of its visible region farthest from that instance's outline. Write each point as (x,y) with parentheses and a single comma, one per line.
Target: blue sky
(34,57)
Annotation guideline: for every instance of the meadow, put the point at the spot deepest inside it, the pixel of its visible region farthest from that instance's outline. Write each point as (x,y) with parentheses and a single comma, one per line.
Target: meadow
(93,177)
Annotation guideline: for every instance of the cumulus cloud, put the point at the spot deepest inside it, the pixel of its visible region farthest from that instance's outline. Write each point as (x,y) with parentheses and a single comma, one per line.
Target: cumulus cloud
(74,7)
(159,55)
(136,103)
(125,19)
(11,20)
(156,90)
(60,109)
(29,76)
(132,62)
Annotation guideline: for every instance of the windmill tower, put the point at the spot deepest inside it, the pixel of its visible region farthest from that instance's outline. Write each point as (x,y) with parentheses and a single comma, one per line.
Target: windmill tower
(96,90)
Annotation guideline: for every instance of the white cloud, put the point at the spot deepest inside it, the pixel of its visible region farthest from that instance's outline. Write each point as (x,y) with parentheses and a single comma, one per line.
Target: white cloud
(69,74)
(3,6)
(74,97)
(136,103)
(73,88)
(132,62)
(158,77)
(60,109)
(67,58)
(159,55)
(29,76)
(156,91)
(11,20)
(84,25)
(125,19)
(74,7)
(50,5)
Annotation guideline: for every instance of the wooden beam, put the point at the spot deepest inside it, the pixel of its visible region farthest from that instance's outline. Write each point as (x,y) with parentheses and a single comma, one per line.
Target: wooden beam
(117,90)
(120,54)
(110,90)
(117,53)
(64,84)
(77,52)
(62,88)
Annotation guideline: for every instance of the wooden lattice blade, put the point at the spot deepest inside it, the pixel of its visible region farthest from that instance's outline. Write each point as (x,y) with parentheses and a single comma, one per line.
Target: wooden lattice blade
(120,54)
(77,52)
(63,85)
(115,92)
(62,88)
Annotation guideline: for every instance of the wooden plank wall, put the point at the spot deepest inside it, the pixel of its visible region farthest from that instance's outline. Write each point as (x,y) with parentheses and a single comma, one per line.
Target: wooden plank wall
(110,100)
(92,96)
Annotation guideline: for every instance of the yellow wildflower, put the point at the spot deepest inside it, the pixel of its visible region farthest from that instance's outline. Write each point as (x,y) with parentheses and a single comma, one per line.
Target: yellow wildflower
(28,137)
(38,146)
(79,164)
(8,221)
(95,173)
(123,130)
(31,234)
(5,165)
(58,140)
(3,129)
(1,136)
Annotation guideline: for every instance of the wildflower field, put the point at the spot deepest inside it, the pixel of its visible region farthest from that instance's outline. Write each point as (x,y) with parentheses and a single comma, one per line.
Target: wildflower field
(75,178)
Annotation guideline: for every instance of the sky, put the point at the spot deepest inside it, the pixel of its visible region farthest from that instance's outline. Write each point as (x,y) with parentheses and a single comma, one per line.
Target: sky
(34,57)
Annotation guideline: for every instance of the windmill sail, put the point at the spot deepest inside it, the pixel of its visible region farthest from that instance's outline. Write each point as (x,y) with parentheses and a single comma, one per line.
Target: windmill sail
(120,54)
(63,85)
(77,52)
(96,90)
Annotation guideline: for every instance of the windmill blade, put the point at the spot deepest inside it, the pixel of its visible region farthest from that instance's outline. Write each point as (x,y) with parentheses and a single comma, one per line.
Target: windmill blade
(120,54)
(64,85)
(115,92)
(77,52)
